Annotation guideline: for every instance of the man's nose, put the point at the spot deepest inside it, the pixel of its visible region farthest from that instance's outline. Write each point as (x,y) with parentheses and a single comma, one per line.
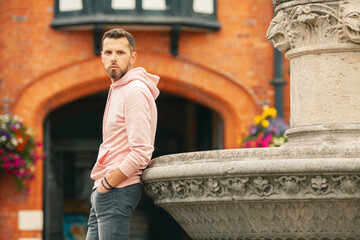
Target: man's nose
(113,57)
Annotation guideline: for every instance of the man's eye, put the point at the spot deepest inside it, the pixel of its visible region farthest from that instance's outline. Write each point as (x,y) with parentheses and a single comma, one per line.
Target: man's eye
(107,52)
(121,52)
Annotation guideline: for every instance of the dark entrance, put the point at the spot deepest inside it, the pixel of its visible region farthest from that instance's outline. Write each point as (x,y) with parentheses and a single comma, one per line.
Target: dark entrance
(72,137)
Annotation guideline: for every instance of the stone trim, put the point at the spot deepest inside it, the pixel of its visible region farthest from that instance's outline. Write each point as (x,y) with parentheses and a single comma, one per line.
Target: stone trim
(209,189)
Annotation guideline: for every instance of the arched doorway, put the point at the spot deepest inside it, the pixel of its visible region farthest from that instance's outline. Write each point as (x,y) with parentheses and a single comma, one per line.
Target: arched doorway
(73,134)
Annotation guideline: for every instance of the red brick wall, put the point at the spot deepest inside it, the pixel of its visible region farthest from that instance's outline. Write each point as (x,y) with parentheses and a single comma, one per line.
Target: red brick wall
(41,69)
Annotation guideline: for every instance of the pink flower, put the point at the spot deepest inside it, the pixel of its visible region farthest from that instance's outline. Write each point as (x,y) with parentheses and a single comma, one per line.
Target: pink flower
(268,137)
(264,143)
(6,165)
(16,162)
(21,172)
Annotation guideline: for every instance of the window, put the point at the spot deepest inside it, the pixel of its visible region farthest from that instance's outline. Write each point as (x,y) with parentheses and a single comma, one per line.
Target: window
(204,6)
(70,5)
(154,4)
(123,4)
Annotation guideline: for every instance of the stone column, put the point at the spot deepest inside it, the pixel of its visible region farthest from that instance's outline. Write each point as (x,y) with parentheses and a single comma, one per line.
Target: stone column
(321,39)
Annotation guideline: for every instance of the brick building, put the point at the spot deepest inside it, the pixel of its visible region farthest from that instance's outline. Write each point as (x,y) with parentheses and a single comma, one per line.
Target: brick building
(51,77)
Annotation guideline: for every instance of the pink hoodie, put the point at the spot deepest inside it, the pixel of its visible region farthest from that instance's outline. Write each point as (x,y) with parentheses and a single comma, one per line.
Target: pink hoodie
(129,126)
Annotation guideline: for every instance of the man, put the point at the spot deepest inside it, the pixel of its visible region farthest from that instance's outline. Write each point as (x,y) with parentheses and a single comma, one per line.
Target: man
(129,126)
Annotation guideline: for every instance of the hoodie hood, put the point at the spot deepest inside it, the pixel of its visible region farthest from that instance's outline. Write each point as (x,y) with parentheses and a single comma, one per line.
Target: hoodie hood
(140,74)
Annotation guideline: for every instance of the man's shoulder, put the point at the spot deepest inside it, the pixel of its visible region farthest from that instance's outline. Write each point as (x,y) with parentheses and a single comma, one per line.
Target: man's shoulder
(137,86)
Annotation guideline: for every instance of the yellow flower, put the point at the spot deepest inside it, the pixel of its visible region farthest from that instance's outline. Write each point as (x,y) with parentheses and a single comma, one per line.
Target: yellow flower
(269,112)
(265,123)
(265,113)
(272,112)
(257,120)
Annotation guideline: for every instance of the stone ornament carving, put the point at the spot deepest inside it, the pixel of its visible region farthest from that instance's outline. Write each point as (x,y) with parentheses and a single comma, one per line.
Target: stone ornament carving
(348,184)
(273,187)
(238,185)
(250,220)
(290,184)
(314,24)
(320,185)
(278,2)
(350,21)
(262,187)
(278,31)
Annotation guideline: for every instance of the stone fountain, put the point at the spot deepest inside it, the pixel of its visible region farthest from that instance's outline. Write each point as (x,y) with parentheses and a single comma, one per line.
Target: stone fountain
(308,189)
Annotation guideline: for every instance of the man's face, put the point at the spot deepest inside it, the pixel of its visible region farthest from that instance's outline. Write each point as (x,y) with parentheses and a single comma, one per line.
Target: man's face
(117,57)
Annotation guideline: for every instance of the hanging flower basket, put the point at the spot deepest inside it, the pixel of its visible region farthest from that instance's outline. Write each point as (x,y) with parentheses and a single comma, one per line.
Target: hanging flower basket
(17,150)
(267,130)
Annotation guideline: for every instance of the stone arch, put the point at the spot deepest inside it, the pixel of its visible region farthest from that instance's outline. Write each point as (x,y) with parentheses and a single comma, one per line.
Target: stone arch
(179,76)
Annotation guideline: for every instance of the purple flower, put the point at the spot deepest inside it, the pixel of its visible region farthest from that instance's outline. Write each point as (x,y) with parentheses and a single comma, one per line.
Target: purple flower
(253,131)
(278,126)
(12,160)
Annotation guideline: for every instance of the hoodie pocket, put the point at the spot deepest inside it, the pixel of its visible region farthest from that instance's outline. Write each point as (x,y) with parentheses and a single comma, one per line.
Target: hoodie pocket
(101,159)
(98,169)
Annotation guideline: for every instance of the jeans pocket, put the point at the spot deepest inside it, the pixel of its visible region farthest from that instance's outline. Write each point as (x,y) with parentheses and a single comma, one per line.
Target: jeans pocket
(103,201)
(100,193)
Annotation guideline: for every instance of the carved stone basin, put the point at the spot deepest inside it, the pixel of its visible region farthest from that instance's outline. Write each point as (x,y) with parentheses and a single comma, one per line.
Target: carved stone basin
(269,193)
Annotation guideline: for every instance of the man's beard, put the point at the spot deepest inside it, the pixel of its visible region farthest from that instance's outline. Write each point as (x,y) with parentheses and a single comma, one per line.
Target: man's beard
(118,73)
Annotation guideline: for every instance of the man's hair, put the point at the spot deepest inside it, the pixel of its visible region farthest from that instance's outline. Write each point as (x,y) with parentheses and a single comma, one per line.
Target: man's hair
(117,33)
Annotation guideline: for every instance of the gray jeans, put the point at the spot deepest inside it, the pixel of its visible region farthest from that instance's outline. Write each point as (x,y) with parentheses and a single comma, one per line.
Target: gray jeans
(110,213)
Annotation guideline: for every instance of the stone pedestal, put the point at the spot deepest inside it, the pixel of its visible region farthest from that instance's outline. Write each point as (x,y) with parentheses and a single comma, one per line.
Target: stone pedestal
(309,188)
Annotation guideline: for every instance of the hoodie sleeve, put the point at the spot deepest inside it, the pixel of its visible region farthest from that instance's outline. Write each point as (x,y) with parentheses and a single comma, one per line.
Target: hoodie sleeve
(138,129)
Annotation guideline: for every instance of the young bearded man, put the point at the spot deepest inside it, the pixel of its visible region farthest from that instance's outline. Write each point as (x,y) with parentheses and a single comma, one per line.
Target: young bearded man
(129,126)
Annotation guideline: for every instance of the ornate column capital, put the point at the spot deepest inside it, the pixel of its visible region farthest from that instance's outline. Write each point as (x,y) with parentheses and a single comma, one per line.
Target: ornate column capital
(315,26)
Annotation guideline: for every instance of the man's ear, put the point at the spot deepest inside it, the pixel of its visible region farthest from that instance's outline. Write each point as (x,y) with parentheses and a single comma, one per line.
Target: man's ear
(133,58)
